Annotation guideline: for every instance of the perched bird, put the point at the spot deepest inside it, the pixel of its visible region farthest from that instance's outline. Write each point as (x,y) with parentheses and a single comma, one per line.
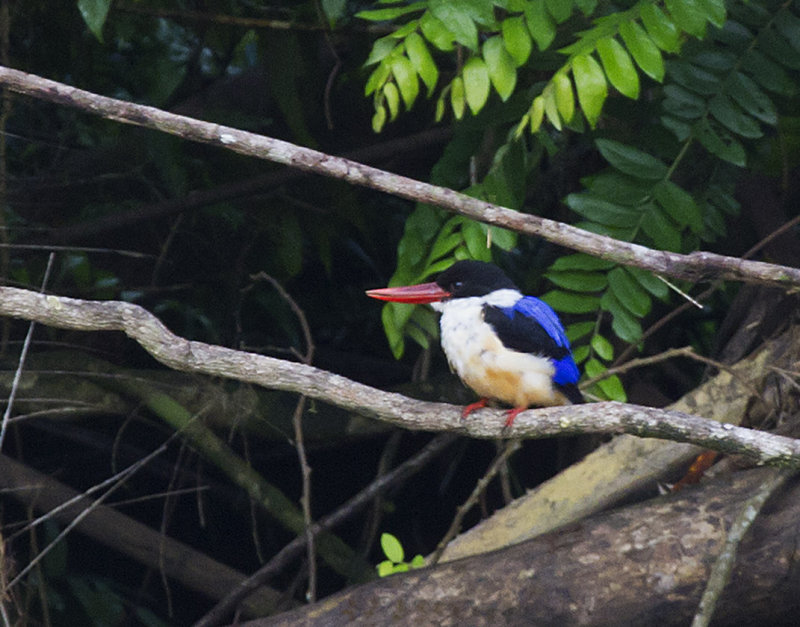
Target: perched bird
(503,345)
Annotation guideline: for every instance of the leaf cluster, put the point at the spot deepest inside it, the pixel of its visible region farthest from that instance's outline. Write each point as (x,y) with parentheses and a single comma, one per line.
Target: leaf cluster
(717,78)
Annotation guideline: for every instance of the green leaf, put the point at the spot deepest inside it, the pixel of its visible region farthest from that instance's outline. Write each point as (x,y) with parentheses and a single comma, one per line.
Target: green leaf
(457,100)
(660,229)
(578,281)
(581,261)
(392,98)
(694,78)
(613,389)
(459,21)
(748,96)
(561,10)
(385,568)
(406,78)
(720,143)
(770,75)
(650,282)
(377,78)
(422,61)
(593,368)
(501,67)
(380,50)
(602,211)
(392,548)
(578,330)
(379,118)
(619,188)
(539,23)
(679,204)
(715,12)
(626,326)
(570,302)
(644,51)
(732,117)
(551,106)
(436,32)
(390,13)
(619,67)
(629,292)
(683,103)
(602,347)
(660,28)
(631,161)
(536,113)
(581,353)
(591,85)
(517,39)
(688,15)
(476,83)
(564,98)
(94,14)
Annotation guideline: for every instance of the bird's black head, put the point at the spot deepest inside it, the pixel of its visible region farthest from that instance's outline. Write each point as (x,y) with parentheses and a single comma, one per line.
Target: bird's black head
(473,278)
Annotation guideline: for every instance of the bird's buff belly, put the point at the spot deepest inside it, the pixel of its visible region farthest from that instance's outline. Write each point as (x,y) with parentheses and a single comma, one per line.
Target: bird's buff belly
(495,372)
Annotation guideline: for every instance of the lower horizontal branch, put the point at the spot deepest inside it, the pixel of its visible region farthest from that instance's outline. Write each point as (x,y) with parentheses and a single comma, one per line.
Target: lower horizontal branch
(181,354)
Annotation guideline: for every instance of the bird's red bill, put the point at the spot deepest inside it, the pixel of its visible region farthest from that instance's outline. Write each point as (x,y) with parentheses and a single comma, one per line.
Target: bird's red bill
(414,294)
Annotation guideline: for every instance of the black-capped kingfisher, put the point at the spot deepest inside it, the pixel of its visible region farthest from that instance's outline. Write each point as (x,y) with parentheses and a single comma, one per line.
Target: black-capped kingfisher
(503,345)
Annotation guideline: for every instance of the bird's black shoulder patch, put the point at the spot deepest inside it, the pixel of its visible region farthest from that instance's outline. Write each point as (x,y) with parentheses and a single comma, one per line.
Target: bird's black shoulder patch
(523,334)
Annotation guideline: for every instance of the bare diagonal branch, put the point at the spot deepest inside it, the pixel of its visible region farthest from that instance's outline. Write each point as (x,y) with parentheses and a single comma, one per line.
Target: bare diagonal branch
(182,354)
(697,266)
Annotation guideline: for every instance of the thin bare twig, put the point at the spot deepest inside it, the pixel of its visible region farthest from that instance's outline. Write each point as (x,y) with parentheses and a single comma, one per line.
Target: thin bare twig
(499,461)
(398,475)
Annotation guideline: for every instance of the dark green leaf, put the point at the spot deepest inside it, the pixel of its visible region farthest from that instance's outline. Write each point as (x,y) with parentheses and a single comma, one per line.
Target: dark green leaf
(94,14)
(570,302)
(602,211)
(714,11)
(660,28)
(618,188)
(540,24)
(693,78)
(688,15)
(578,281)
(644,51)
(717,61)
(650,282)
(591,85)
(749,97)
(679,204)
(581,261)
(626,326)
(683,103)
(720,143)
(732,117)
(517,39)
(769,74)
(578,330)
(631,161)
(501,67)
(661,229)
(781,50)
(629,292)
(476,83)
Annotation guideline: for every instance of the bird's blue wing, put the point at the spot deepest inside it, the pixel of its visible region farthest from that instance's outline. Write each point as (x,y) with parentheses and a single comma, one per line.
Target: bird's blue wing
(531,326)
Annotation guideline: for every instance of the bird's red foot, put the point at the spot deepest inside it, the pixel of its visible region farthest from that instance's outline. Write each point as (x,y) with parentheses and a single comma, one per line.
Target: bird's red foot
(473,406)
(512,414)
